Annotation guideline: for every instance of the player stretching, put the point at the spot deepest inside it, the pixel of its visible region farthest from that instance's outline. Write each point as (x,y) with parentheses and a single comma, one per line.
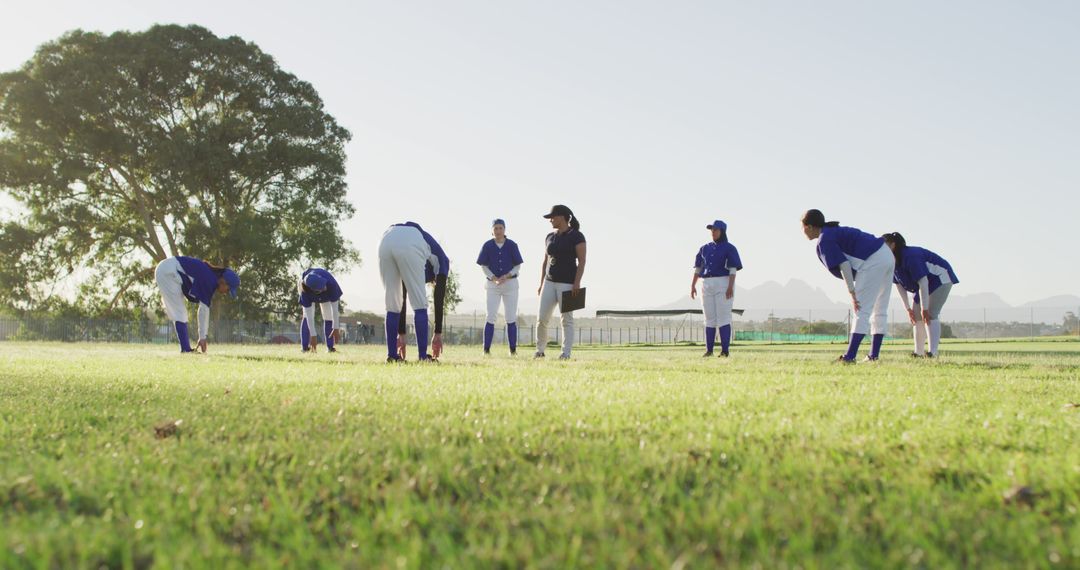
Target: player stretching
(183,279)
(319,286)
(408,258)
(928,276)
(866,265)
(716,263)
(501,261)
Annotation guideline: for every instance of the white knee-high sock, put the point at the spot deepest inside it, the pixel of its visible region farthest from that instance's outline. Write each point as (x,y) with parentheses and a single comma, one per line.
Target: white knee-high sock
(920,338)
(935,336)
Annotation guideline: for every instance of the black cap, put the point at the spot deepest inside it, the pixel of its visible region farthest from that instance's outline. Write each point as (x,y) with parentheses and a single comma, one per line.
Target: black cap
(559,210)
(814,218)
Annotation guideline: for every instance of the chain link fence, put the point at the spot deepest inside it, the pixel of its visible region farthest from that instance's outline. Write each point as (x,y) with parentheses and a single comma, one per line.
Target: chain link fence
(754,325)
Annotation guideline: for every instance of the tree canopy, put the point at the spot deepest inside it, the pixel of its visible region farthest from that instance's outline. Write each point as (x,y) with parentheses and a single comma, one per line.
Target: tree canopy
(128,148)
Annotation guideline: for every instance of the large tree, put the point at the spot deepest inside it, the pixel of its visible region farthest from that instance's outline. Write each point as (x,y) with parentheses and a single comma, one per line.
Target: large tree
(128,148)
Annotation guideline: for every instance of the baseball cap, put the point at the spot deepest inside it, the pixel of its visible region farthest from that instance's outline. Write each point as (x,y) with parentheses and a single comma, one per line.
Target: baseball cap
(498,222)
(717,225)
(315,282)
(232,279)
(559,210)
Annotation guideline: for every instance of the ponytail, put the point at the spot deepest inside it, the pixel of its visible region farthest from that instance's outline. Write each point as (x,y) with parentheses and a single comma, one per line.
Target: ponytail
(895,238)
(899,242)
(832,224)
(573,221)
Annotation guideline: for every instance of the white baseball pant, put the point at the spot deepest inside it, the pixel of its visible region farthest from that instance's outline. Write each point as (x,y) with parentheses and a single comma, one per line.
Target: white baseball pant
(937,302)
(714,301)
(167,276)
(402,255)
(507,294)
(872,289)
(330,312)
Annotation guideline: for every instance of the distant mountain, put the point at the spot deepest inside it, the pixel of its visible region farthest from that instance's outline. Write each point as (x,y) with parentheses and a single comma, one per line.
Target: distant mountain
(794,299)
(1055,302)
(976,301)
(797,299)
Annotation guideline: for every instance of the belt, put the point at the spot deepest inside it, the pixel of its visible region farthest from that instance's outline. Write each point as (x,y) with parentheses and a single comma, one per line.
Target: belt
(511,277)
(715,276)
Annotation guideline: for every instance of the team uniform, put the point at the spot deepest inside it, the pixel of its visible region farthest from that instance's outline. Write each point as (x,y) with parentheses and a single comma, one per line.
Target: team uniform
(716,263)
(318,286)
(930,278)
(867,264)
(408,259)
(184,279)
(496,260)
(559,278)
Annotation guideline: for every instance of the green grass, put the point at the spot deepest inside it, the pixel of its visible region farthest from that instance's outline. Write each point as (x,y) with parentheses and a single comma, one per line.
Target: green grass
(632,457)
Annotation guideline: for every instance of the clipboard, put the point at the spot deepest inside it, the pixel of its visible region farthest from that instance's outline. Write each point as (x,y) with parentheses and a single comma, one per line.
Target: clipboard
(570,302)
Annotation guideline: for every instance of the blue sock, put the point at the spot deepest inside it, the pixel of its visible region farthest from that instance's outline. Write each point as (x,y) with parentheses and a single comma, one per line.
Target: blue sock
(511,335)
(392,320)
(725,338)
(328,330)
(875,345)
(489,335)
(710,338)
(420,321)
(853,346)
(305,334)
(182,335)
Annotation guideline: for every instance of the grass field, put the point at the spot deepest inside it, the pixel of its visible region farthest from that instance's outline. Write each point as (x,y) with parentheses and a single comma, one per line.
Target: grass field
(647,457)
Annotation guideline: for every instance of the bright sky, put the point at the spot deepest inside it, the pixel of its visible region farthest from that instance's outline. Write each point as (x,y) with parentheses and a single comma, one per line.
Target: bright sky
(955,123)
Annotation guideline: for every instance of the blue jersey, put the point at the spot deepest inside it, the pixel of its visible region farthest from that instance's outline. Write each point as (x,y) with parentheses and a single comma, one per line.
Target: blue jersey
(499,260)
(717,259)
(838,244)
(916,263)
(330,294)
(199,281)
(437,263)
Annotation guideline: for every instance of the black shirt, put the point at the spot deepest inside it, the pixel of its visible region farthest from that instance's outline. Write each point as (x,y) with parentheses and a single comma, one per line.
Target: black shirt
(562,255)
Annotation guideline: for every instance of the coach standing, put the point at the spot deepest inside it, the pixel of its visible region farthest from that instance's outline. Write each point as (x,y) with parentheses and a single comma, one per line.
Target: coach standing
(183,279)
(563,268)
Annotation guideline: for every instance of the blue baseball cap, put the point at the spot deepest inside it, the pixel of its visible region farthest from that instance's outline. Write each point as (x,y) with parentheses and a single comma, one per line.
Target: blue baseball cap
(498,222)
(232,279)
(315,282)
(717,225)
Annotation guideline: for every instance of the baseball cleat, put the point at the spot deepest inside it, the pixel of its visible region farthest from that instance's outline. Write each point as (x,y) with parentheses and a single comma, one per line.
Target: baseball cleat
(394,360)
(564,357)
(845,360)
(724,354)
(538,355)
(870,359)
(707,354)
(331,349)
